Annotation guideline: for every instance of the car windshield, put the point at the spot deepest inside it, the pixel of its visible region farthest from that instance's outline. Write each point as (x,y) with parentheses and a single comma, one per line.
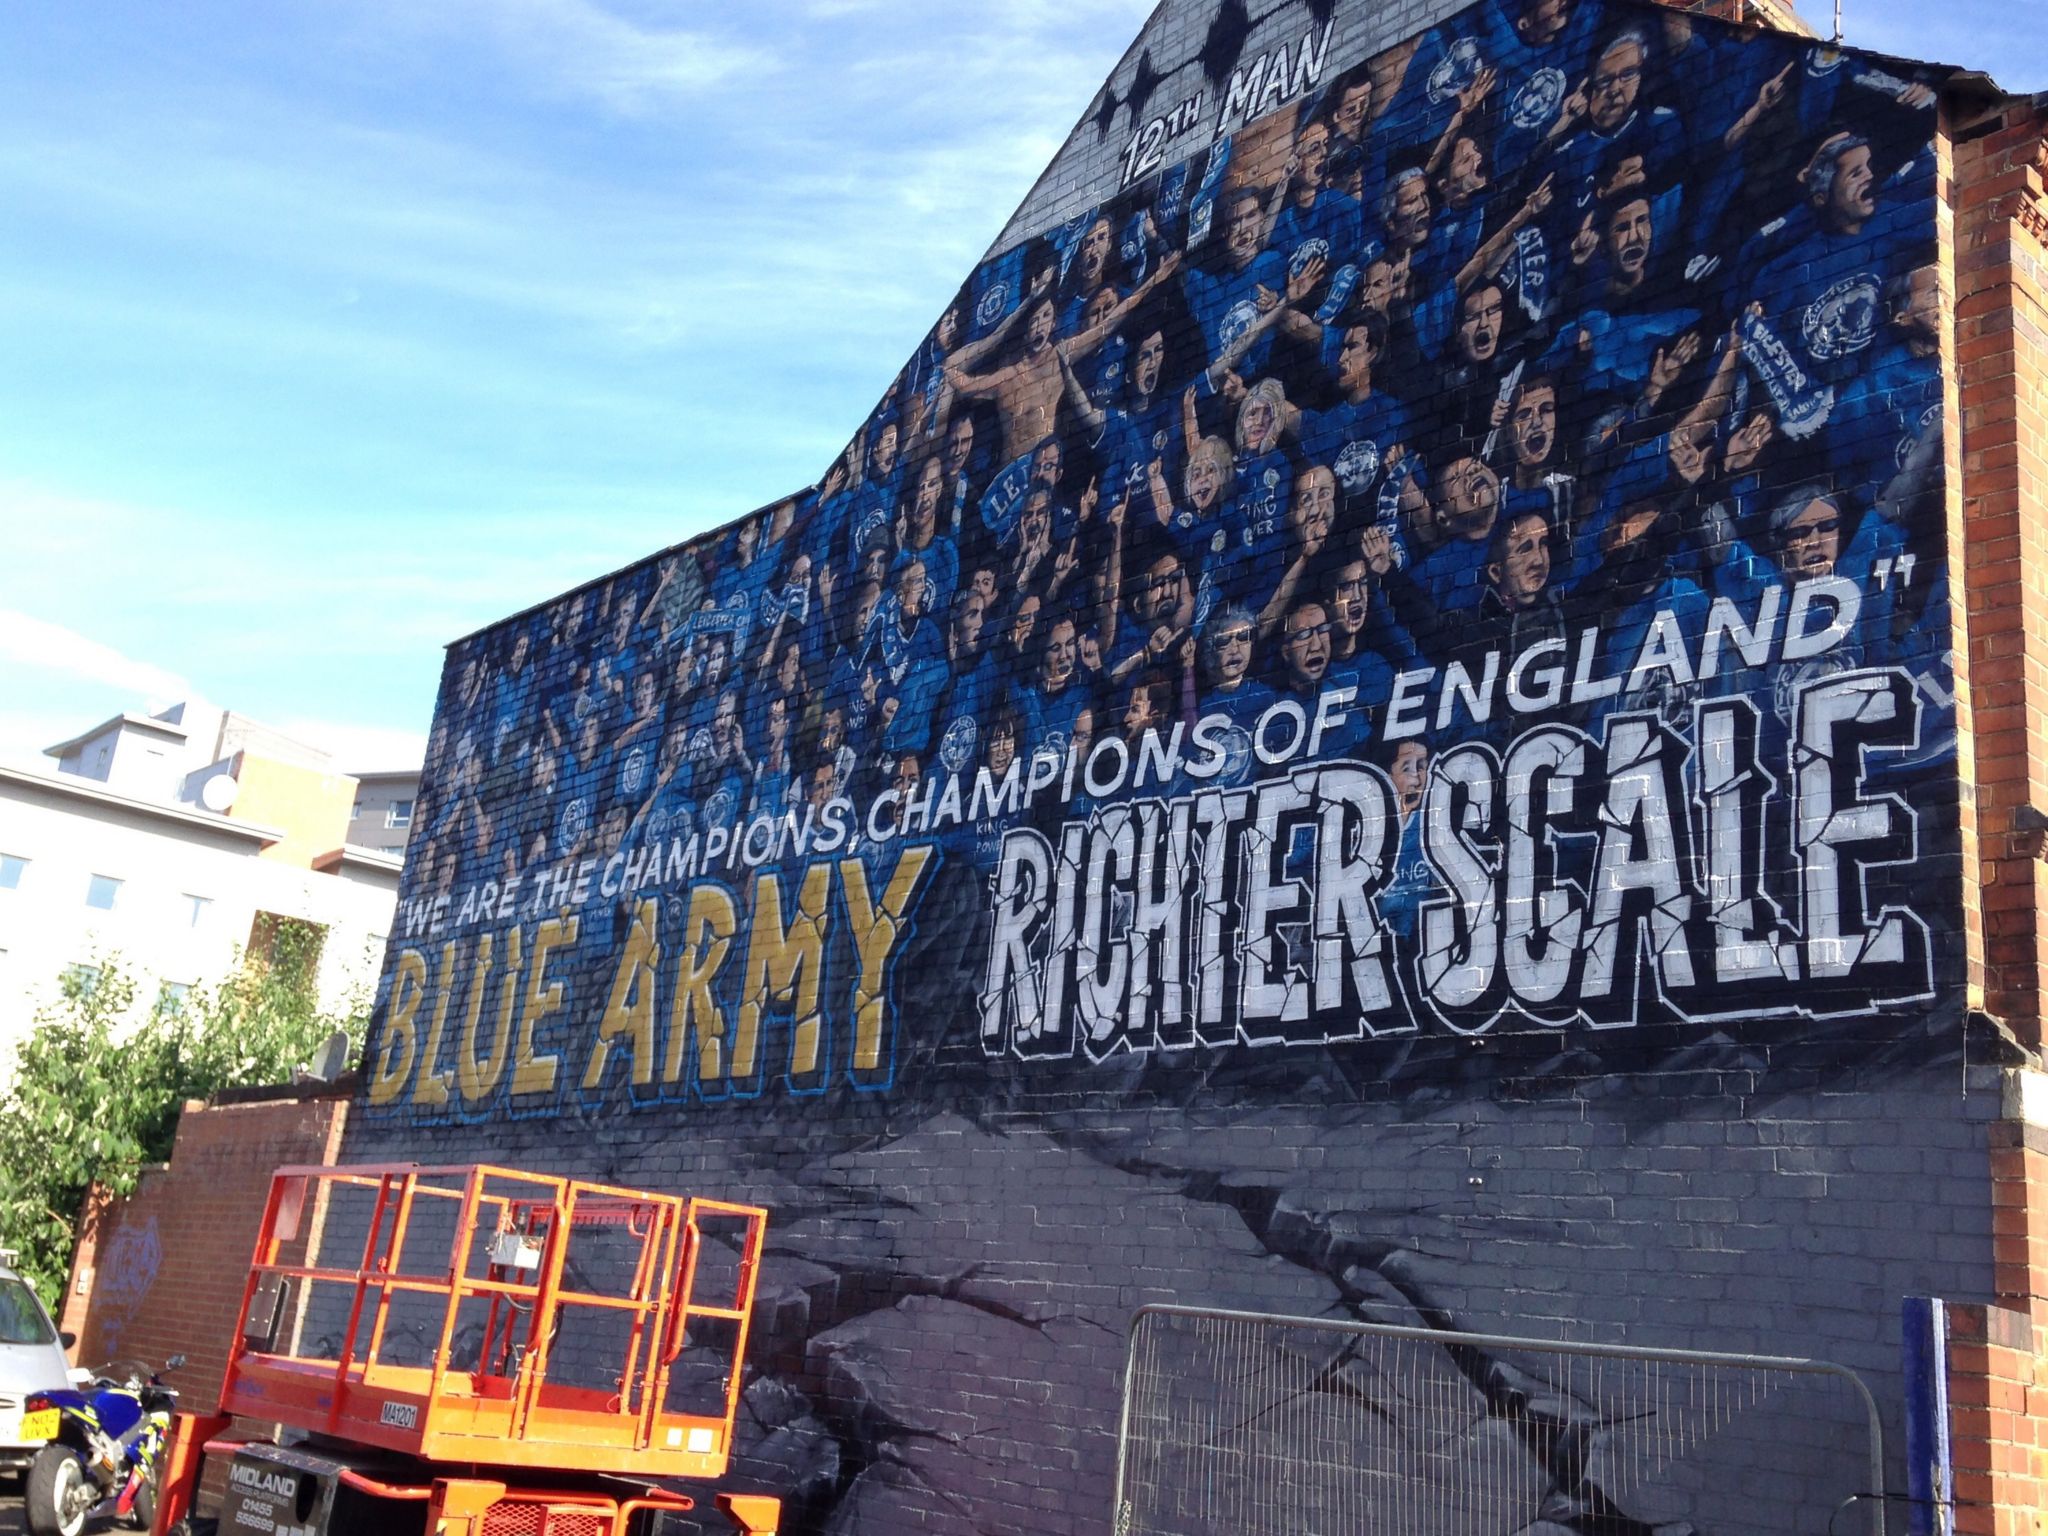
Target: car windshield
(22,1320)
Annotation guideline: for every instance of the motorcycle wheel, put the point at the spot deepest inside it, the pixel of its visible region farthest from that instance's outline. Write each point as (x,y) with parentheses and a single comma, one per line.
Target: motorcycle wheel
(142,1513)
(59,1495)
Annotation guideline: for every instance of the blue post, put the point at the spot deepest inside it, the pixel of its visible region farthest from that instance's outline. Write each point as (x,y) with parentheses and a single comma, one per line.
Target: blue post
(1930,1473)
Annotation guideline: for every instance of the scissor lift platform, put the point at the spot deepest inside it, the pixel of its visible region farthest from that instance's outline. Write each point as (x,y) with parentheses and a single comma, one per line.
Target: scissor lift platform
(486,1264)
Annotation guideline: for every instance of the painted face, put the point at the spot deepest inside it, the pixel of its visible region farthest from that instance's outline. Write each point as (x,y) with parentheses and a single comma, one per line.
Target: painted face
(1312,157)
(1376,290)
(1161,590)
(1353,110)
(1233,654)
(622,625)
(1468,498)
(1204,482)
(1034,524)
(908,776)
(1305,643)
(1151,359)
(1616,82)
(832,730)
(1412,214)
(1046,464)
(1058,670)
(778,719)
(1852,198)
(967,627)
(791,667)
(1542,21)
(1410,773)
(1354,361)
(911,586)
(1084,733)
(885,449)
(1524,570)
(1812,540)
(1628,238)
(931,485)
(1043,319)
(1024,622)
(1351,597)
(1257,423)
(1002,749)
(644,688)
(1095,250)
(1100,303)
(959,445)
(1479,324)
(1465,176)
(864,607)
(716,650)
(824,785)
(947,332)
(1534,425)
(1315,505)
(983,584)
(1241,233)
(522,647)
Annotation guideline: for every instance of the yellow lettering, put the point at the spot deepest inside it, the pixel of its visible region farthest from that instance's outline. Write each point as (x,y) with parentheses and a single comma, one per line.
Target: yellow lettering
(708,932)
(874,937)
(782,967)
(477,1078)
(400,1037)
(630,1010)
(432,1087)
(531,1073)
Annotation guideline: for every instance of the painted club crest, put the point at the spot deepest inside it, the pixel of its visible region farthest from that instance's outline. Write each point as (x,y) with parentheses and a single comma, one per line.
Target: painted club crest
(1358,464)
(1843,321)
(1536,103)
(1236,321)
(1456,70)
(956,747)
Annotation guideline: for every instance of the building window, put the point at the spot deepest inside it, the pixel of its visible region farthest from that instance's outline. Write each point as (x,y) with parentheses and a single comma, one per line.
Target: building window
(10,871)
(170,997)
(198,904)
(102,891)
(355,812)
(80,979)
(399,814)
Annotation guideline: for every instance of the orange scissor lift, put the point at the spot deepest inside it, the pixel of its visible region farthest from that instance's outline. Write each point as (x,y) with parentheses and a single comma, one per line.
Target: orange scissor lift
(498,1354)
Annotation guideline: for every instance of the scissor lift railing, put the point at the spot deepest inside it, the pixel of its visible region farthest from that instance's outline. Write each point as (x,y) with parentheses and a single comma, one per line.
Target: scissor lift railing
(513,1239)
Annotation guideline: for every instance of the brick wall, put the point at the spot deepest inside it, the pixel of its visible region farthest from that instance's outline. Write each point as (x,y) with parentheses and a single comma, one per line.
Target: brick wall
(162,1271)
(1001,1088)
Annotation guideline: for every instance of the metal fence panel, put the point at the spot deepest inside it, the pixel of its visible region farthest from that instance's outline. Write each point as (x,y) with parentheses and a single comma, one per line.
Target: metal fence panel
(1239,1424)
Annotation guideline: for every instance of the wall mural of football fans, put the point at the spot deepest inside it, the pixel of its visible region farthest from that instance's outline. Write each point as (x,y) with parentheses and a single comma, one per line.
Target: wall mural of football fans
(1462,551)
(1400,642)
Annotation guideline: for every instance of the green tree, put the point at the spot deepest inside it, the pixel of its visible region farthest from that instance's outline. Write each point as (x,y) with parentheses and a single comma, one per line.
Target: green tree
(95,1096)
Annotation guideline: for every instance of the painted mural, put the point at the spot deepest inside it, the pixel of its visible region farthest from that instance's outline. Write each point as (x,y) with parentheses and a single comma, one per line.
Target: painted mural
(1451,544)
(1365,731)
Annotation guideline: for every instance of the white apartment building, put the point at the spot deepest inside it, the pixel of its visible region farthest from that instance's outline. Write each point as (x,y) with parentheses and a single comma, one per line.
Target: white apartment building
(178,841)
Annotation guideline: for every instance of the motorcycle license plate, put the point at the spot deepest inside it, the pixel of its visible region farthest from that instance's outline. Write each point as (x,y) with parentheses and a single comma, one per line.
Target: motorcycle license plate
(41,1425)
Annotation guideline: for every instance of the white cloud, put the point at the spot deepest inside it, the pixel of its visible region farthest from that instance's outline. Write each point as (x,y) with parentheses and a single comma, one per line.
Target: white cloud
(578,48)
(357,748)
(57,650)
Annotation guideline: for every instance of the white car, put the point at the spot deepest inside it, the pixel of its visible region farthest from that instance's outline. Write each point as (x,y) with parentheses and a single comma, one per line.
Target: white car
(31,1360)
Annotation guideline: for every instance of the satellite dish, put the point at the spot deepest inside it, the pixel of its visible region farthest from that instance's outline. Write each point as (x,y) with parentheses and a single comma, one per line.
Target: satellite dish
(331,1060)
(218,793)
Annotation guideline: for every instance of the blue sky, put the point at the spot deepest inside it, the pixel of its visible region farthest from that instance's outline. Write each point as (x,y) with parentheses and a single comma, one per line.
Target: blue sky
(338,328)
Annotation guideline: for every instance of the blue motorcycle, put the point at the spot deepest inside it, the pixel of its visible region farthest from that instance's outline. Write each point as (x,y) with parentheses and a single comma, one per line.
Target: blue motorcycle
(104,1444)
